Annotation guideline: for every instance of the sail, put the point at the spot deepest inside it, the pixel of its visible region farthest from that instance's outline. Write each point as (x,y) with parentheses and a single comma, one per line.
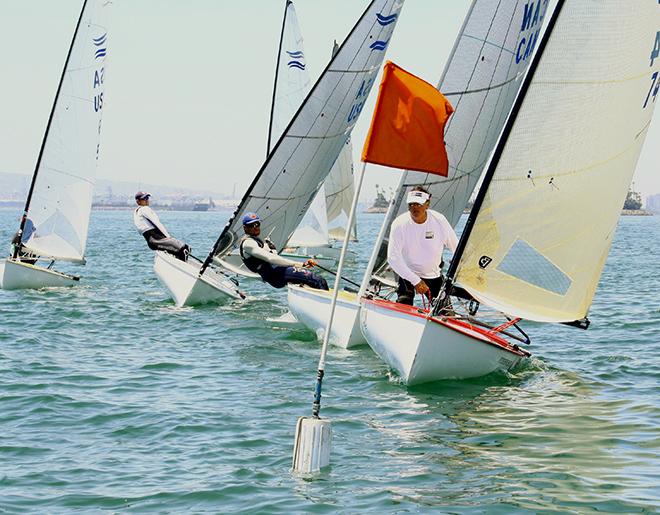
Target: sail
(292,85)
(313,230)
(481,80)
(339,190)
(291,76)
(301,160)
(552,196)
(61,193)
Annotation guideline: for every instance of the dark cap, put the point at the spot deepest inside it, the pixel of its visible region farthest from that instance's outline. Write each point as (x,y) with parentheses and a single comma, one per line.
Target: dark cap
(142,195)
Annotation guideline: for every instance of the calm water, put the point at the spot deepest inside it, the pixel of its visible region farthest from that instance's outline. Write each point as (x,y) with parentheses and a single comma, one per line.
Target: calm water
(112,399)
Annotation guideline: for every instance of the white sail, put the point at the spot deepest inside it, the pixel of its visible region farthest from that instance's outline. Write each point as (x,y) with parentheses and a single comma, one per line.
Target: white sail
(292,81)
(61,195)
(292,85)
(301,160)
(313,229)
(481,80)
(554,192)
(339,189)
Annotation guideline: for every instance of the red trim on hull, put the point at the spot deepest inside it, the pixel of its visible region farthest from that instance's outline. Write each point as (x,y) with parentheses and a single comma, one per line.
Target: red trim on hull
(460,326)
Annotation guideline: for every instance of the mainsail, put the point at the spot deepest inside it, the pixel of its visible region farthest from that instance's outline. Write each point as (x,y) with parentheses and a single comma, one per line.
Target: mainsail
(481,80)
(60,197)
(302,158)
(544,219)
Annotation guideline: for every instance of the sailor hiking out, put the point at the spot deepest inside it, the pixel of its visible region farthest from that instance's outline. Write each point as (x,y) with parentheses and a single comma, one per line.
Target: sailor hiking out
(260,256)
(417,240)
(149,225)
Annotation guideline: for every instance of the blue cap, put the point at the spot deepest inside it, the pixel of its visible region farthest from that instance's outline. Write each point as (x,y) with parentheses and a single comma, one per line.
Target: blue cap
(142,195)
(250,218)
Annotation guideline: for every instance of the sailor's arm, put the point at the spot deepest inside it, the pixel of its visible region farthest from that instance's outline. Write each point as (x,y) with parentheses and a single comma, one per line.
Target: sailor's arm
(252,248)
(395,257)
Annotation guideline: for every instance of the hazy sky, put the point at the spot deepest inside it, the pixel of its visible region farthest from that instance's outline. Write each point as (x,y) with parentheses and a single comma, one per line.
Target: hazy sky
(189,82)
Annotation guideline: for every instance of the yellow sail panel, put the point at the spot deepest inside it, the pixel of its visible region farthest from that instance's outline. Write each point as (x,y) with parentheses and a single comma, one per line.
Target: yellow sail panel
(544,230)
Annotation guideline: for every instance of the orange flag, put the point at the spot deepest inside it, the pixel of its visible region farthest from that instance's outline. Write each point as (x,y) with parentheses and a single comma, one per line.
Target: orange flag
(408,126)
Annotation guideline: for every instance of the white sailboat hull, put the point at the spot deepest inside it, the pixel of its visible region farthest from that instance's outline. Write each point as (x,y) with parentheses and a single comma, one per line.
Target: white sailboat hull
(181,279)
(16,275)
(423,349)
(312,308)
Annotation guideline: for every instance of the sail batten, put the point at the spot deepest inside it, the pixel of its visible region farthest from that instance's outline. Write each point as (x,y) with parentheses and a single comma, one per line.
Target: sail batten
(540,237)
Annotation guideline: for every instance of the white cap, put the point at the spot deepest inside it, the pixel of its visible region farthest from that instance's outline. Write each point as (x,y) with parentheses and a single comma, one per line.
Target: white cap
(417,197)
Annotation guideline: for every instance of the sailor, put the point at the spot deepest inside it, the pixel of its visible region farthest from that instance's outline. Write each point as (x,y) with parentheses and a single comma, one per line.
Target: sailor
(417,240)
(260,256)
(150,226)
(20,239)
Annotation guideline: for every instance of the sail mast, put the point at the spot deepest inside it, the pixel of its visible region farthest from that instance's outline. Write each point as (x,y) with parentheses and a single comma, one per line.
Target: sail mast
(277,71)
(481,194)
(43,141)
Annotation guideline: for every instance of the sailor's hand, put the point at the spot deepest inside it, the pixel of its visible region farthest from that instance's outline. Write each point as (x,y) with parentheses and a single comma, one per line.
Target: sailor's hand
(309,263)
(422,288)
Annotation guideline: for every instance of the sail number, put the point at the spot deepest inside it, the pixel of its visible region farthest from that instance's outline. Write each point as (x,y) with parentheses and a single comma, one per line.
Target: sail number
(98,82)
(360,99)
(655,83)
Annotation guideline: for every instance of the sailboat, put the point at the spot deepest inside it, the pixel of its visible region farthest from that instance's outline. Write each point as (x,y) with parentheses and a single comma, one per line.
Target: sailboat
(543,220)
(302,158)
(481,78)
(311,238)
(55,219)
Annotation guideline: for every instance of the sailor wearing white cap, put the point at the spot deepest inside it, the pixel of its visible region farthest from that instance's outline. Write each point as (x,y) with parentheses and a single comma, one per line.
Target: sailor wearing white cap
(417,240)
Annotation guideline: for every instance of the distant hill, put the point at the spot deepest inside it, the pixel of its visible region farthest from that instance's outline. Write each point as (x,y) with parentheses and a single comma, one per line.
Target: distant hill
(14,187)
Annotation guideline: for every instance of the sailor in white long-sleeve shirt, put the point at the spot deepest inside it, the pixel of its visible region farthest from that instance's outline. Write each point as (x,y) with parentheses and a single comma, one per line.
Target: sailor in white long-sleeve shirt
(150,226)
(261,258)
(417,240)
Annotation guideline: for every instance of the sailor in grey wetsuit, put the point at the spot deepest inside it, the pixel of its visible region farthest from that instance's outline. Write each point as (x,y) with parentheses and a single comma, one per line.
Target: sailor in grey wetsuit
(261,258)
(149,225)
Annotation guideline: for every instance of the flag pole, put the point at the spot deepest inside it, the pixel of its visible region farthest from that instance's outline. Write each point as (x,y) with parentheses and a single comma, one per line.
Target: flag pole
(311,449)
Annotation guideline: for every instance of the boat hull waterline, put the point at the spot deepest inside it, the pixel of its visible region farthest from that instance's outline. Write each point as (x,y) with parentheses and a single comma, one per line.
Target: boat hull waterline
(312,308)
(422,348)
(187,288)
(17,275)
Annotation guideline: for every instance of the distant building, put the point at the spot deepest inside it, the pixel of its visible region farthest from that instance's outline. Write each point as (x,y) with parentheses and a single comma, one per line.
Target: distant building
(653,203)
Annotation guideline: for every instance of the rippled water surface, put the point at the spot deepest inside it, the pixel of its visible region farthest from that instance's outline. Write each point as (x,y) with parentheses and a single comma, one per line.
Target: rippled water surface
(112,399)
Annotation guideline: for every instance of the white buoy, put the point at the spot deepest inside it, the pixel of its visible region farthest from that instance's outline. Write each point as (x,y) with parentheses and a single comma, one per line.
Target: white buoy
(313,440)
(313,444)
